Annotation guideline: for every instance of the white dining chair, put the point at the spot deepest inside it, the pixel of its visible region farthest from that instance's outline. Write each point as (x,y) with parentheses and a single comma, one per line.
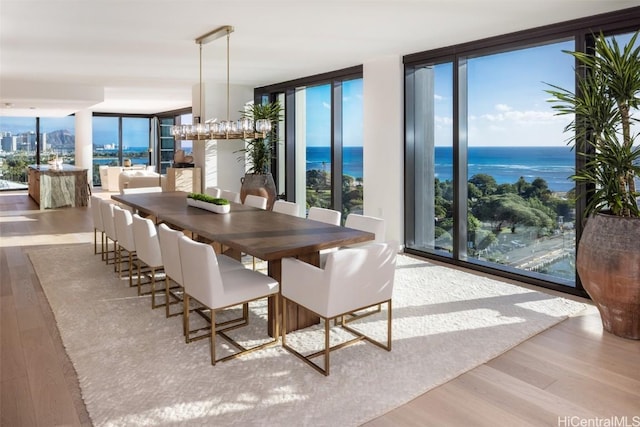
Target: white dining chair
(123,221)
(255,201)
(352,279)
(231,196)
(216,289)
(106,207)
(141,190)
(366,223)
(170,253)
(98,226)
(213,192)
(148,253)
(328,216)
(169,239)
(372,225)
(288,208)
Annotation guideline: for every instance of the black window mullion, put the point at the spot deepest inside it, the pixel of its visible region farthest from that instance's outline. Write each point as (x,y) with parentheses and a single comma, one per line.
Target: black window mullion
(290,144)
(336,145)
(120,160)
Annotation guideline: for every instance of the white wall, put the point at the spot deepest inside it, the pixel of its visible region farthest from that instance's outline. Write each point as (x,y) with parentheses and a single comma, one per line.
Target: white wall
(383,163)
(84,142)
(219,159)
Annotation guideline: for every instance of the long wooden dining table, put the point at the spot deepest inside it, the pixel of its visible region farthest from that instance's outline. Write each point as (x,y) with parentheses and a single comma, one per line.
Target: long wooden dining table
(270,236)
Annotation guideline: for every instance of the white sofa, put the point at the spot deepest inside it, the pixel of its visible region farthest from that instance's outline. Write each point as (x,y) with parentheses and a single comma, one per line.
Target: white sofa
(139,179)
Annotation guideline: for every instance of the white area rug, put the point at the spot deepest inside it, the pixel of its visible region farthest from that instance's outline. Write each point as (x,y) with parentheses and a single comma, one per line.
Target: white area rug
(134,368)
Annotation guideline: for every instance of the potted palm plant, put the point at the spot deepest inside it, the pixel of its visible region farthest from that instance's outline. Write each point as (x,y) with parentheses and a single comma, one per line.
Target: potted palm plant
(608,259)
(259,153)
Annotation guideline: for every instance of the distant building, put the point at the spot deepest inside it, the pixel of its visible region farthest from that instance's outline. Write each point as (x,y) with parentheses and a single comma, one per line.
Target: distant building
(9,143)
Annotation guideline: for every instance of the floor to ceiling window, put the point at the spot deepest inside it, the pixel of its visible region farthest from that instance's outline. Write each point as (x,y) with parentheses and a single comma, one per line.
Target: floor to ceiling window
(118,140)
(520,196)
(352,167)
(487,163)
(58,139)
(432,99)
(313,116)
(135,140)
(319,153)
(32,140)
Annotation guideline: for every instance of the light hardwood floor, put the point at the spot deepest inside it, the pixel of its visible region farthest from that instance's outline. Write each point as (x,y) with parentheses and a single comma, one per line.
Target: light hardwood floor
(570,370)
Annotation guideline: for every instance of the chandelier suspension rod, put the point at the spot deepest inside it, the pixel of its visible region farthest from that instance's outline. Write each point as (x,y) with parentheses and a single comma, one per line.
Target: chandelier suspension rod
(201,89)
(228,84)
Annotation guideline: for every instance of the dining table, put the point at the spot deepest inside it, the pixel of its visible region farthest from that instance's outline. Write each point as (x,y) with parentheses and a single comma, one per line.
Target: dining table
(270,236)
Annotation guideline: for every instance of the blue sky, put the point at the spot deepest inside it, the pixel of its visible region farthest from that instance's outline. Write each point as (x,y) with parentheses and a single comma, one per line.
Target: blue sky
(507,99)
(507,104)
(318,114)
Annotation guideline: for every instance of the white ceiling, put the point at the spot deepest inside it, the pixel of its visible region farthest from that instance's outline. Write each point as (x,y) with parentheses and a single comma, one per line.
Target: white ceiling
(139,56)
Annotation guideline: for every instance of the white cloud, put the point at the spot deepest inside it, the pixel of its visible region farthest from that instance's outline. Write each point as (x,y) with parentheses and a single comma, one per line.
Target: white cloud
(522,117)
(438,97)
(326,105)
(502,107)
(443,120)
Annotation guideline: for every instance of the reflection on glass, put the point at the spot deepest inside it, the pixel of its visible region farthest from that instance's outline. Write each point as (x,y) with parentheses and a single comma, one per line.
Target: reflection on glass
(433,159)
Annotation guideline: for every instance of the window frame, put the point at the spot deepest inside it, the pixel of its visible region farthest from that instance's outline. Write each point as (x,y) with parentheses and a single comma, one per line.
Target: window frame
(582,31)
(288,90)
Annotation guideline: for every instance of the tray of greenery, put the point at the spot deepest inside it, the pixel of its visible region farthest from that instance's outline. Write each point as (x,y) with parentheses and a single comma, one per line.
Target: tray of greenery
(204,201)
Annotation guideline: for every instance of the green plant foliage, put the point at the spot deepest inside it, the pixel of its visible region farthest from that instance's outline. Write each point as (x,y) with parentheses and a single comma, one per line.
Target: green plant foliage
(260,151)
(208,199)
(608,88)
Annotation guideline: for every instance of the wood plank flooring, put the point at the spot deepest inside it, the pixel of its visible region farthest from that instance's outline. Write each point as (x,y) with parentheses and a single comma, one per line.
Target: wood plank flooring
(570,370)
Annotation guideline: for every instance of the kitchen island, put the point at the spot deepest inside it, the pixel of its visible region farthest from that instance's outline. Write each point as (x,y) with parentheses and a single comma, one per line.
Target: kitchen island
(58,186)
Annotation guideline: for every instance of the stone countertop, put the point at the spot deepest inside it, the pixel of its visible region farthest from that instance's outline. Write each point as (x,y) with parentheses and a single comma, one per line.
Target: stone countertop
(55,169)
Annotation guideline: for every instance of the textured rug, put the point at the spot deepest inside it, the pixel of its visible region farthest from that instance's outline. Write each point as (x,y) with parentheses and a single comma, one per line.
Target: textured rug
(134,368)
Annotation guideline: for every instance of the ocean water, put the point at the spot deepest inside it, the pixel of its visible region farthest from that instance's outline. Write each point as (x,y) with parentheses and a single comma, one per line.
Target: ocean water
(320,158)
(505,164)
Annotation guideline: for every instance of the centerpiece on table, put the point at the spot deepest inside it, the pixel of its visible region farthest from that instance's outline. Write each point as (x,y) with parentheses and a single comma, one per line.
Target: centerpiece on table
(204,201)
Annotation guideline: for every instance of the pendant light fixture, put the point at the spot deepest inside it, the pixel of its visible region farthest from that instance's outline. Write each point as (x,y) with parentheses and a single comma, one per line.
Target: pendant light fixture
(243,128)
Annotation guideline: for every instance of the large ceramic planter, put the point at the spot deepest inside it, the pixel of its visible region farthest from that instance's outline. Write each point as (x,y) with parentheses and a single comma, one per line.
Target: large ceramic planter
(608,263)
(259,185)
(212,207)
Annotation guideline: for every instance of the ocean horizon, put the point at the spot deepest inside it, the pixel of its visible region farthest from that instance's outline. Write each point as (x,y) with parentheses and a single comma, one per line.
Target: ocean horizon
(506,164)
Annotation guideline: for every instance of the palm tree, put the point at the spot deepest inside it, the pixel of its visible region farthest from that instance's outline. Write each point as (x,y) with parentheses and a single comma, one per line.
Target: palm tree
(608,89)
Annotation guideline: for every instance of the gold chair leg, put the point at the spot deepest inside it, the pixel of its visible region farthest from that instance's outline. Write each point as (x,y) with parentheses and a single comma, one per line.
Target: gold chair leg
(119,261)
(283,330)
(166,295)
(139,281)
(327,348)
(115,257)
(130,269)
(213,337)
(102,245)
(153,288)
(185,317)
